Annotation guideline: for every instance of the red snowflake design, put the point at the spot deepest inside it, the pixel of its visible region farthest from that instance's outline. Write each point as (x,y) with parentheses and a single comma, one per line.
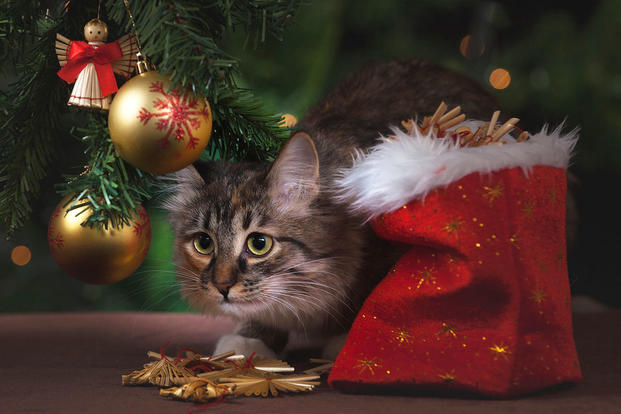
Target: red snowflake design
(58,240)
(176,113)
(139,227)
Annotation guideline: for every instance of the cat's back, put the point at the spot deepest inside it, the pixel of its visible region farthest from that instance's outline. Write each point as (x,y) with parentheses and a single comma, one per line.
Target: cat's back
(367,103)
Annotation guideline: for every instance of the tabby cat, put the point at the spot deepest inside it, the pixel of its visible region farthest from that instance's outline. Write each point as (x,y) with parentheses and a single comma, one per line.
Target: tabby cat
(270,245)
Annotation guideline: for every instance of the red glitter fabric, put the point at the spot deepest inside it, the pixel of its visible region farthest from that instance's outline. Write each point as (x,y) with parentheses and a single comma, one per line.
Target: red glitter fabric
(481,301)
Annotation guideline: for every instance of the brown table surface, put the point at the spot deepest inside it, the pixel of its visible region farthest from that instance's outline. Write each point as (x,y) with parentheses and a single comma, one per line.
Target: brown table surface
(72,363)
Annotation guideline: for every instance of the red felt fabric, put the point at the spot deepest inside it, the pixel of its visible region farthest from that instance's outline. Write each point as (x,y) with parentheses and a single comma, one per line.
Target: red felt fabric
(481,301)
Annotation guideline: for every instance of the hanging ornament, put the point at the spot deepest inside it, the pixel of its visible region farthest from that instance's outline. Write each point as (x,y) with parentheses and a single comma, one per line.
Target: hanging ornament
(97,255)
(158,129)
(92,64)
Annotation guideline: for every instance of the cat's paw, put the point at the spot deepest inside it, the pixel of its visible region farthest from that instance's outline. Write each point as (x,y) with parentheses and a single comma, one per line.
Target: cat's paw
(243,345)
(332,348)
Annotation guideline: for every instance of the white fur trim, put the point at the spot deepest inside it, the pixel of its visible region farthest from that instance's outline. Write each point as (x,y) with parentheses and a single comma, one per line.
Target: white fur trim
(396,171)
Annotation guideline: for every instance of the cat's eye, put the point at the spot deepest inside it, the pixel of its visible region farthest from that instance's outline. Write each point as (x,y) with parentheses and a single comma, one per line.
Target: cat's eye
(203,243)
(259,244)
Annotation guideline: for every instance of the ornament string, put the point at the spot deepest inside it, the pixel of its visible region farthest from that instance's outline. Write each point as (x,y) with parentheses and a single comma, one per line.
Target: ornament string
(131,19)
(162,349)
(179,358)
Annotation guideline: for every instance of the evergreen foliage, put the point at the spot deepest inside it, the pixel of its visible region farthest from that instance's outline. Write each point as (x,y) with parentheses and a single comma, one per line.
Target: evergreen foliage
(180,37)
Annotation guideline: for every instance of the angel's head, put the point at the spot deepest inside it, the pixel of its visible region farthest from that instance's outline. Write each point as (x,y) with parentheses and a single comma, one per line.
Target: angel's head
(96,31)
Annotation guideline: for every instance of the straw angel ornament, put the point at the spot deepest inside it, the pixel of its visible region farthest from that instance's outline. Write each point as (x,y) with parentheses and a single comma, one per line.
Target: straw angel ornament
(92,64)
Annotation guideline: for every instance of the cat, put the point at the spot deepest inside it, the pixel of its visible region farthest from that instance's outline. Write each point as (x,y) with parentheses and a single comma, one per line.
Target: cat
(270,245)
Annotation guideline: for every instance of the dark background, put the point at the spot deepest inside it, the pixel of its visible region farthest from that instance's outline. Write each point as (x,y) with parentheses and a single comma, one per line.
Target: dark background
(565,64)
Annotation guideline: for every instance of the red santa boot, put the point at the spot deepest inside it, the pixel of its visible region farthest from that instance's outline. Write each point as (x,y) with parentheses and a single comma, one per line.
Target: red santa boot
(481,301)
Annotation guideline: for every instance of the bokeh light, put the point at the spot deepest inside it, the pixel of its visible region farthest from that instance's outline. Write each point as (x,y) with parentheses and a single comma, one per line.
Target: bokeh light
(21,255)
(500,78)
(471,47)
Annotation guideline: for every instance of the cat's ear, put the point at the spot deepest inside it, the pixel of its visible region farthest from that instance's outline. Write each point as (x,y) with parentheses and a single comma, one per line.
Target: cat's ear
(193,174)
(294,176)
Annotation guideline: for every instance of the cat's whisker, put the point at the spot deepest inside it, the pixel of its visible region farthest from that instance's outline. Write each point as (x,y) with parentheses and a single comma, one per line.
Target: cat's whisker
(317,286)
(310,300)
(285,304)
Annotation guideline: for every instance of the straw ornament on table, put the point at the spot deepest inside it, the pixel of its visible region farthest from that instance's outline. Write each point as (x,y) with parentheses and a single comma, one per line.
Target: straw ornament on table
(201,379)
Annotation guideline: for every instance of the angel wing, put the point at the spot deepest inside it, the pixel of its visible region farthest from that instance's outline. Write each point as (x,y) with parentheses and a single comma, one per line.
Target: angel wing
(126,64)
(62,49)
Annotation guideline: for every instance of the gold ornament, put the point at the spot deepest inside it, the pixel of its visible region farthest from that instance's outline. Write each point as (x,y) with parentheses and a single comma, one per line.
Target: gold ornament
(156,129)
(97,255)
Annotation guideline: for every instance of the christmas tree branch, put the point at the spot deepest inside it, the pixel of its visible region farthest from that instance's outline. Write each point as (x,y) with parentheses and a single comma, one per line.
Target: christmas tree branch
(238,116)
(113,189)
(30,123)
(181,37)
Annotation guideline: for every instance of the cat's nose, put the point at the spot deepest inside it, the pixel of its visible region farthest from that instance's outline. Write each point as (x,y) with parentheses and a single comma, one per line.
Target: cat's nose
(224,287)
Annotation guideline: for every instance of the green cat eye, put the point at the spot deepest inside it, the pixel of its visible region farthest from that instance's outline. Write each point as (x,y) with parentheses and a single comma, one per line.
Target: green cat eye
(203,243)
(259,244)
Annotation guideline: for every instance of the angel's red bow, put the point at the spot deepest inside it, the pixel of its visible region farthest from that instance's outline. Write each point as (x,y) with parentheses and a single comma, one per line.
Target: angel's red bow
(81,54)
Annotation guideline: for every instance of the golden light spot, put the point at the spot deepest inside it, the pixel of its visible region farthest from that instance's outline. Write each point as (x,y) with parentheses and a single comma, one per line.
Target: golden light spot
(480,262)
(453,227)
(500,350)
(492,193)
(497,253)
(471,47)
(474,219)
(493,236)
(448,377)
(538,296)
(500,78)
(388,372)
(426,276)
(367,364)
(287,121)
(21,255)
(405,207)
(463,196)
(514,239)
(447,330)
(401,336)
(478,244)
(481,225)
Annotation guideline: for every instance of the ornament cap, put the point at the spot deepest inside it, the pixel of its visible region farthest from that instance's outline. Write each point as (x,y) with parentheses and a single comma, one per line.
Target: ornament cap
(143,65)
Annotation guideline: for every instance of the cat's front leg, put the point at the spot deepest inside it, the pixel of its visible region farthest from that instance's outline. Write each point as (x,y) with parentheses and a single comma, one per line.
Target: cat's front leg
(253,337)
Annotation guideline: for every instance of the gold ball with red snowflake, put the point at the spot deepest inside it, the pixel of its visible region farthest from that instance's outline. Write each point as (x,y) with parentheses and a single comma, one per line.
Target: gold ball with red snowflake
(97,255)
(158,129)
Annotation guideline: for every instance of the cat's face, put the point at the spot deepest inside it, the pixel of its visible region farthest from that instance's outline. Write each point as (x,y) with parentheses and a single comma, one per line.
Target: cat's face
(252,241)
